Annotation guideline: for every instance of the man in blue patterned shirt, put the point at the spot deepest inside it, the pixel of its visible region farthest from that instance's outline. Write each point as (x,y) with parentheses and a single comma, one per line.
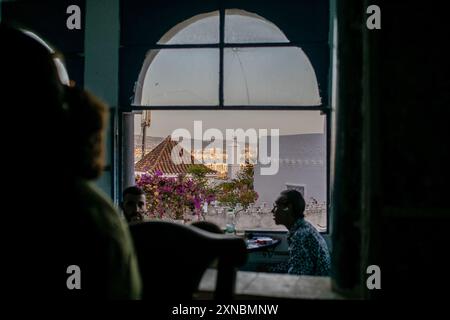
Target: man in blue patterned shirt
(308,251)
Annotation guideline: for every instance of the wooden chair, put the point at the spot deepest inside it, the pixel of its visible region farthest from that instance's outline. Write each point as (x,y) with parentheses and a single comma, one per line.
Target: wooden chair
(173,258)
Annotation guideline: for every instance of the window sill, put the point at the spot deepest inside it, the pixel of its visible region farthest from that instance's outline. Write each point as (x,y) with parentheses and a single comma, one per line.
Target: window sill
(258,285)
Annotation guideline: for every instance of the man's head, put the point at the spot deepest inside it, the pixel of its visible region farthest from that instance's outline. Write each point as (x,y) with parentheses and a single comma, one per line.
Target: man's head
(29,76)
(288,208)
(87,117)
(134,204)
(31,91)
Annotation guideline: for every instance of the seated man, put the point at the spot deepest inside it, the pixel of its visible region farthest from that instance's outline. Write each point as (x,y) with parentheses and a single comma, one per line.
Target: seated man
(308,251)
(134,204)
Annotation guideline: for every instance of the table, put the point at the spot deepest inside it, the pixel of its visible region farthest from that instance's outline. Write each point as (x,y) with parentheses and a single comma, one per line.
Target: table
(260,243)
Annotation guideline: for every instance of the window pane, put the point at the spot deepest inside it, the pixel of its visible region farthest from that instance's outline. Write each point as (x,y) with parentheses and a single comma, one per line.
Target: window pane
(269,76)
(299,163)
(181,77)
(246,27)
(201,29)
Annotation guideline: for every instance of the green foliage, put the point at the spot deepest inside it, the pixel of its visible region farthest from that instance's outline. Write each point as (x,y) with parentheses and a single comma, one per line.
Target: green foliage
(199,171)
(239,190)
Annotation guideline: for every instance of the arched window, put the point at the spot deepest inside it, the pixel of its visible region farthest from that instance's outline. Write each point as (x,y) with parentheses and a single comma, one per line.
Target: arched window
(233,69)
(182,72)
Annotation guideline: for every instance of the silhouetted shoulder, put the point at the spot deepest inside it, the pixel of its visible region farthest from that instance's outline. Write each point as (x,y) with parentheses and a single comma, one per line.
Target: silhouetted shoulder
(101,210)
(125,282)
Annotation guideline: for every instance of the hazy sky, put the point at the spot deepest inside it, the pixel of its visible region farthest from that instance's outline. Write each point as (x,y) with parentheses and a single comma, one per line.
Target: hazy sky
(252,76)
(289,122)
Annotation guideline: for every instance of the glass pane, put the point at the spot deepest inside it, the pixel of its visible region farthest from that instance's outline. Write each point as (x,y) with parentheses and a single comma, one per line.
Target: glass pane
(180,77)
(212,143)
(269,76)
(200,29)
(246,27)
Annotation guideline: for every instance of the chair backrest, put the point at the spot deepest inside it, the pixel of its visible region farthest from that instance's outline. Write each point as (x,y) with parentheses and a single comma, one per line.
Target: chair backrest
(173,258)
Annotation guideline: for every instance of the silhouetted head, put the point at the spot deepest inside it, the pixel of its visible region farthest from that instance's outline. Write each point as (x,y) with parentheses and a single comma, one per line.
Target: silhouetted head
(32,101)
(288,208)
(29,74)
(86,117)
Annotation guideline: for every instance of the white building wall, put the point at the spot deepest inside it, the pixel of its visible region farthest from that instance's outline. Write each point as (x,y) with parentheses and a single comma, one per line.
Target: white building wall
(302,162)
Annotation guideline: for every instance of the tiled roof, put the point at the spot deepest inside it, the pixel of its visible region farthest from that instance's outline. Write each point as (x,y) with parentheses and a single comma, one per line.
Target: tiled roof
(160,159)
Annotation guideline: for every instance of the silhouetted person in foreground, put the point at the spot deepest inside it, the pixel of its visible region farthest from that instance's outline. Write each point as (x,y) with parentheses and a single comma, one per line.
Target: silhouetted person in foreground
(60,223)
(308,251)
(86,122)
(207,226)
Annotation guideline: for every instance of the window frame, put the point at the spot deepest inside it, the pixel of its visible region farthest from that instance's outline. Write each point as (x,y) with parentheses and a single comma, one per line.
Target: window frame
(324,108)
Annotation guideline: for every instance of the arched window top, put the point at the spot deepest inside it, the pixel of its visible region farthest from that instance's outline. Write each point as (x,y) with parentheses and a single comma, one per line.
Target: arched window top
(252,76)
(60,68)
(240,27)
(245,27)
(200,29)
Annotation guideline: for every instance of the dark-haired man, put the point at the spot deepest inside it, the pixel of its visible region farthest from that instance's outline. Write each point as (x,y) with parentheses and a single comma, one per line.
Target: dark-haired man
(308,251)
(134,204)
